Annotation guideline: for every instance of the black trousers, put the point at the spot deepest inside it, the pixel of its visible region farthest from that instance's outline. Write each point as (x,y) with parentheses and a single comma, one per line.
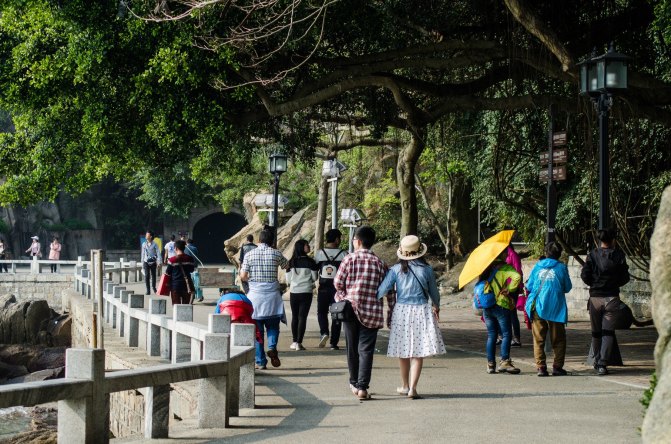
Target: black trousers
(360,349)
(149,270)
(602,316)
(325,297)
(300,307)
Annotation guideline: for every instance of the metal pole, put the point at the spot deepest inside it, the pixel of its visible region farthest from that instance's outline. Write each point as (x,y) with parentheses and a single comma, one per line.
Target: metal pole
(276,192)
(98,283)
(604,173)
(351,238)
(551,211)
(334,203)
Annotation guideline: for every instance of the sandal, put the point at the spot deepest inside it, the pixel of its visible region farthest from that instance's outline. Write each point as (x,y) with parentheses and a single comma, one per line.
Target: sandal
(412,394)
(402,391)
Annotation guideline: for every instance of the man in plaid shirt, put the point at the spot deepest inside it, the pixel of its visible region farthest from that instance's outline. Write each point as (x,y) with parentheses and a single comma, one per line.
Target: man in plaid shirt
(259,268)
(357,280)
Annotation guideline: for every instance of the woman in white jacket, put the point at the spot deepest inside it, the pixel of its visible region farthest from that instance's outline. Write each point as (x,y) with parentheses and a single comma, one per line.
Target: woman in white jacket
(301,278)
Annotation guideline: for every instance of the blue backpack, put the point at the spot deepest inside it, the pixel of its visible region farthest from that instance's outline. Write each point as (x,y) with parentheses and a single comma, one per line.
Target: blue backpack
(480,298)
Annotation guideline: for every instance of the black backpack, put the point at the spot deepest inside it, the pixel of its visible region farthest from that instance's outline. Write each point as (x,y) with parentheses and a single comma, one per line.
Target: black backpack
(329,267)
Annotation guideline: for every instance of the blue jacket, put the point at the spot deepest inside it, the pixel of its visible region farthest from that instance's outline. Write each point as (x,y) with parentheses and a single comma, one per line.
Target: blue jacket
(547,285)
(408,290)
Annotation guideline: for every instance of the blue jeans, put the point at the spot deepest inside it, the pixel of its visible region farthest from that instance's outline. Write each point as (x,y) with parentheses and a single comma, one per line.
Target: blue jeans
(273,327)
(497,319)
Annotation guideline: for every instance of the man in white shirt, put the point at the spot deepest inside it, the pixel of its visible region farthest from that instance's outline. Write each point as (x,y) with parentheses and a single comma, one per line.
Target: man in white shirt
(328,260)
(169,249)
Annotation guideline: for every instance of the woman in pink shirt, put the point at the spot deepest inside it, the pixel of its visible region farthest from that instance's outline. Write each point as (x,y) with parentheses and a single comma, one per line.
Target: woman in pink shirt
(54,252)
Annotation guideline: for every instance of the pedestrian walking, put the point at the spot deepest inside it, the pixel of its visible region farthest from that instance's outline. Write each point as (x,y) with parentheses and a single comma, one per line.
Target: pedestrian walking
(169,249)
(3,255)
(54,252)
(328,259)
(357,280)
(259,269)
(245,248)
(179,268)
(513,259)
(605,271)
(546,307)
(192,251)
(301,278)
(501,279)
(150,256)
(414,332)
(35,249)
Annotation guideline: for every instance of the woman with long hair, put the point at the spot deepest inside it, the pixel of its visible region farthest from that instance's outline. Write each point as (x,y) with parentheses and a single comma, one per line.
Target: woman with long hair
(301,278)
(414,327)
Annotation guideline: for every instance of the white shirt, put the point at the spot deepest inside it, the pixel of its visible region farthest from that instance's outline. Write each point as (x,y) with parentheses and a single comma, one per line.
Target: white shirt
(170,249)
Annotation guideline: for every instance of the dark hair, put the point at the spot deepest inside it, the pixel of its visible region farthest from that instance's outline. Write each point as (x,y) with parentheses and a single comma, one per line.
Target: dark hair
(607,236)
(266,237)
(151,233)
(366,235)
(299,251)
(180,245)
(250,238)
(404,263)
(332,235)
(172,237)
(189,241)
(553,250)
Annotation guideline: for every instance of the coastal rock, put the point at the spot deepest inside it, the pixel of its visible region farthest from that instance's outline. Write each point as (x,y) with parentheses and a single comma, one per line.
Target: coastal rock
(9,371)
(41,375)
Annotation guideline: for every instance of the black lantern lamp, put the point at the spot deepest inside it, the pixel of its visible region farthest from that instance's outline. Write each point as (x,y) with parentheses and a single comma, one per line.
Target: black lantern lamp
(599,78)
(277,164)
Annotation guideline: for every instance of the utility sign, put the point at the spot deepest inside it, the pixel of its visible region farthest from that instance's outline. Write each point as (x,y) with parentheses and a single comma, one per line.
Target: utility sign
(558,156)
(558,173)
(559,138)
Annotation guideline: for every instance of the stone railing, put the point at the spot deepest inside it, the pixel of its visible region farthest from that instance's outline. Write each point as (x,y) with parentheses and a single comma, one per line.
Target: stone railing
(121,271)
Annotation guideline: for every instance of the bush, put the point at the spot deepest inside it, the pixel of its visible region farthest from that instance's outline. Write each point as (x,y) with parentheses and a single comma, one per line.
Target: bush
(649,392)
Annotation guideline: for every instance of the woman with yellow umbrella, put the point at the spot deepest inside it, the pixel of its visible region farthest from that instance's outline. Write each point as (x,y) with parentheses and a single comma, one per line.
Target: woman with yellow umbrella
(487,262)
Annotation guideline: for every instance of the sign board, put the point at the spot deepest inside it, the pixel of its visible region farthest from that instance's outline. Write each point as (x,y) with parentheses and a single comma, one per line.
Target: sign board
(558,173)
(559,138)
(558,156)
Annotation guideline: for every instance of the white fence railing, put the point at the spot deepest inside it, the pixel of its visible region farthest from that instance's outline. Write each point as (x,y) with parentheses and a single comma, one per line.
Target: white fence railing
(220,355)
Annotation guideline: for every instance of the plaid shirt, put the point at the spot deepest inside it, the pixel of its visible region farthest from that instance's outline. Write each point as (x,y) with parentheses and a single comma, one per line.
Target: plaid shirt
(261,263)
(357,280)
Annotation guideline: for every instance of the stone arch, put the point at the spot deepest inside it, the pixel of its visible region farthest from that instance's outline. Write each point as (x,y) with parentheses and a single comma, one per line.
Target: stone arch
(210,232)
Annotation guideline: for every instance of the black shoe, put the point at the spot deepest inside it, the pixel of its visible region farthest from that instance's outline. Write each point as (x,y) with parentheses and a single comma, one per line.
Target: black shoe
(601,370)
(335,347)
(498,341)
(515,343)
(147,294)
(559,371)
(543,371)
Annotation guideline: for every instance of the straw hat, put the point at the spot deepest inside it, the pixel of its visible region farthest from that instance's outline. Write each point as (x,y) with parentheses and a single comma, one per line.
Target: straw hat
(411,248)
(35,238)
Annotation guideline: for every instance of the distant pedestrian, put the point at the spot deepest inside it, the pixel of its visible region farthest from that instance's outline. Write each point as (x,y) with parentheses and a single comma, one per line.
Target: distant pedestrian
(35,249)
(3,255)
(546,306)
(245,248)
(54,253)
(605,271)
(169,249)
(179,268)
(301,278)
(192,251)
(328,259)
(259,268)
(414,333)
(150,256)
(357,280)
(502,280)
(513,259)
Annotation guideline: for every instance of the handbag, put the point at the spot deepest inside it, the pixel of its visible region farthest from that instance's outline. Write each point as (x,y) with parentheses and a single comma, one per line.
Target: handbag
(164,285)
(342,311)
(521,299)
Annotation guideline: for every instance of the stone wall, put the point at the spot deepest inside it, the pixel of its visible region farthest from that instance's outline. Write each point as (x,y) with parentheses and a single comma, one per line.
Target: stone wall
(33,287)
(81,314)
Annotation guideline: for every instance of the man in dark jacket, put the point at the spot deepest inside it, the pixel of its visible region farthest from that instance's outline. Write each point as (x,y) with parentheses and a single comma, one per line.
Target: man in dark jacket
(605,271)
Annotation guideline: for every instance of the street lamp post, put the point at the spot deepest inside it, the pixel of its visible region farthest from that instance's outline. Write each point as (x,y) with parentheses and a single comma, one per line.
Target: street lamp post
(277,164)
(351,218)
(332,168)
(600,77)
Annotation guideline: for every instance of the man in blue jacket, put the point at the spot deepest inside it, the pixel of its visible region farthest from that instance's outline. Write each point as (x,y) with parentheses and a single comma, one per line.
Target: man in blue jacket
(546,307)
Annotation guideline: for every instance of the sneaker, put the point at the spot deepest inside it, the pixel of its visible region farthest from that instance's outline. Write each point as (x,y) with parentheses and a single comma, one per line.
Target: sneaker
(515,343)
(322,342)
(363,395)
(294,346)
(335,347)
(260,367)
(506,366)
(274,359)
(601,370)
(300,347)
(543,371)
(499,341)
(558,371)
(491,367)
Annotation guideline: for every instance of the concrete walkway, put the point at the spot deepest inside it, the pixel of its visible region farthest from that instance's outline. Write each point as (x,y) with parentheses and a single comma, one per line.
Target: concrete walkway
(307,399)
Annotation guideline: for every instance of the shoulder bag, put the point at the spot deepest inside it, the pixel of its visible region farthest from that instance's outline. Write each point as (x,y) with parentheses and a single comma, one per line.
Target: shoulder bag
(342,311)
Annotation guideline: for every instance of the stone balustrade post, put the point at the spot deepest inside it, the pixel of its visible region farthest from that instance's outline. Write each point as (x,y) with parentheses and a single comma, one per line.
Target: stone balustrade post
(132,276)
(218,323)
(85,420)
(157,306)
(156,411)
(244,335)
(34,266)
(133,324)
(213,402)
(181,344)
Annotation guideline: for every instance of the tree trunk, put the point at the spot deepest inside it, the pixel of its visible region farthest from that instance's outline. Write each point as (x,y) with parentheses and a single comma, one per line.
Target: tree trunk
(434,219)
(322,202)
(405,178)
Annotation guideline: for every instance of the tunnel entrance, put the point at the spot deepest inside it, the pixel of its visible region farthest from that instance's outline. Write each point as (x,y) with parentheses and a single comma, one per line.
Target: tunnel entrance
(210,232)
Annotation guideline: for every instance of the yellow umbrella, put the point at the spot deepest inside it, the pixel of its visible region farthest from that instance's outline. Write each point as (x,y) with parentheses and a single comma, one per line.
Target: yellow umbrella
(484,255)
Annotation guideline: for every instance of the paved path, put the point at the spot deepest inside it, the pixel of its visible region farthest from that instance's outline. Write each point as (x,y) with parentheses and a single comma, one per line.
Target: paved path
(307,398)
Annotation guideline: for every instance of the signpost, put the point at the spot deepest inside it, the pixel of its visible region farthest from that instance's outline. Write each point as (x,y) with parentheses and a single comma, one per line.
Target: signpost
(553,169)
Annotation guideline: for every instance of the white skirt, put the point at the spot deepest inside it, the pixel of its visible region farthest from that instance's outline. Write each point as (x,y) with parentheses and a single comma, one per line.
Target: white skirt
(414,332)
